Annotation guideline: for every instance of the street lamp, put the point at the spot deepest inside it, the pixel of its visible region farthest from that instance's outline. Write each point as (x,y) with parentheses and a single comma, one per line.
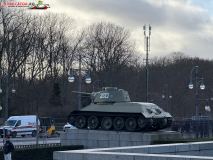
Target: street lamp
(13,90)
(211,98)
(88,79)
(202,86)
(168,96)
(71,79)
(207,108)
(7,90)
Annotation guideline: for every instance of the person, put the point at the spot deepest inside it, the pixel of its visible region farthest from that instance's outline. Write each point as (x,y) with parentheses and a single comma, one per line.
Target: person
(8,149)
(206,129)
(200,128)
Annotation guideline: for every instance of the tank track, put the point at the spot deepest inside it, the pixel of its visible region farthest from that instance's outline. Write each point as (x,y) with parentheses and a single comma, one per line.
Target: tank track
(124,116)
(169,123)
(148,123)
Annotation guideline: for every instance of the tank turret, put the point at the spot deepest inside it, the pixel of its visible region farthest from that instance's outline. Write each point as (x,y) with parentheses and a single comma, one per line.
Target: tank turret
(108,95)
(113,110)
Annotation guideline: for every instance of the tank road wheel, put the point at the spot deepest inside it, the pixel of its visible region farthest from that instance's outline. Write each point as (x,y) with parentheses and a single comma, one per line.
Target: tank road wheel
(141,122)
(118,123)
(81,122)
(131,124)
(93,122)
(71,119)
(106,123)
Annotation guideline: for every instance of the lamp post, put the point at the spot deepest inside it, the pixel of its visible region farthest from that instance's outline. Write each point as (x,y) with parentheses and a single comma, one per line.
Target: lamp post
(202,86)
(167,95)
(71,79)
(7,90)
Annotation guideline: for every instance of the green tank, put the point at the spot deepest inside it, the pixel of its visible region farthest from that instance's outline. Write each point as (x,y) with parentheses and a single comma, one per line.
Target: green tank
(113,110)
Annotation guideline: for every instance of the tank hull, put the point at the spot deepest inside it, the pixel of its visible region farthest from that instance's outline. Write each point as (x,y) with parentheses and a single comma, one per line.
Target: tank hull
(129,116)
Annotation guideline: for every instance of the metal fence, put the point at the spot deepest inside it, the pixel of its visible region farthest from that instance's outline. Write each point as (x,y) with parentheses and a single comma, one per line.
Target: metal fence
(191,128)
(33,145)
(59,123)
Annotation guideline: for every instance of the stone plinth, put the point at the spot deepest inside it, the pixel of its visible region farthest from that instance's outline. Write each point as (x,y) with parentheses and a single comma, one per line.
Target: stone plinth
(104,139)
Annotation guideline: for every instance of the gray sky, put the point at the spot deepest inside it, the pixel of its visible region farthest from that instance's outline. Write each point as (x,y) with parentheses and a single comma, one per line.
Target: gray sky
(177,25)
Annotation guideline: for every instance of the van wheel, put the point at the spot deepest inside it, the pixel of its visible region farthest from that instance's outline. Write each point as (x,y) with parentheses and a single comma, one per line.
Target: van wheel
(33,133)
(14,135)
(23,135)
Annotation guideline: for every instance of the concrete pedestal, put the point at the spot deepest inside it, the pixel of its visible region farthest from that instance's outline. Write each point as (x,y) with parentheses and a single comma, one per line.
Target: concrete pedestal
(104,139)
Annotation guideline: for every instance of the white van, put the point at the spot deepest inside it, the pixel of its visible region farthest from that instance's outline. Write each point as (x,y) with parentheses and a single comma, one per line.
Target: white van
(20,125)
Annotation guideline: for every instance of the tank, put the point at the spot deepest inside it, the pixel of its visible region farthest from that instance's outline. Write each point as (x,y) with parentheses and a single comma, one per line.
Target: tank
(113,110)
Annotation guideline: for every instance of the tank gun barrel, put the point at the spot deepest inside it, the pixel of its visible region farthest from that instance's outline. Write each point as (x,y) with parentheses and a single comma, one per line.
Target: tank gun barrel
(82,93)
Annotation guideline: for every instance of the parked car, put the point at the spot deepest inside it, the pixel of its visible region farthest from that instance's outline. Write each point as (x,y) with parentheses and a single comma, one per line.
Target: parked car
(67,126)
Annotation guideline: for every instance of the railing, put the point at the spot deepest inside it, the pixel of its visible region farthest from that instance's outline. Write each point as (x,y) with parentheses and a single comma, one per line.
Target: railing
(180,119)
(59,123)
(34,145)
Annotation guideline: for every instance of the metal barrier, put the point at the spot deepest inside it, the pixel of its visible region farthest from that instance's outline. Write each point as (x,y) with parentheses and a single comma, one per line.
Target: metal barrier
(59,123)
(34,145)
(191,128)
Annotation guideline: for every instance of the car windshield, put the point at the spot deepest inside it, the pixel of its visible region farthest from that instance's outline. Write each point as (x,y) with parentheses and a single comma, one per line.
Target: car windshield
(10,123)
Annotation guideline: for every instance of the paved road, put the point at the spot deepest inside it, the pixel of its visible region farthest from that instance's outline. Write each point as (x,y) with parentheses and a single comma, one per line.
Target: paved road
(30,140)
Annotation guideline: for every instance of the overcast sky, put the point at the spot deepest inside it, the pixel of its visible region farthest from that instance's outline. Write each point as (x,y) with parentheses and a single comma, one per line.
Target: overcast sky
(177,25)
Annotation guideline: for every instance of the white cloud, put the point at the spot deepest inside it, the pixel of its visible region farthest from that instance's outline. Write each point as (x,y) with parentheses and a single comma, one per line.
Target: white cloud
(177,25)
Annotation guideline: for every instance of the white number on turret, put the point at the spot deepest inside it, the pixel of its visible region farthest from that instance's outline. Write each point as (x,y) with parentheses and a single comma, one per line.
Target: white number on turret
(104,95)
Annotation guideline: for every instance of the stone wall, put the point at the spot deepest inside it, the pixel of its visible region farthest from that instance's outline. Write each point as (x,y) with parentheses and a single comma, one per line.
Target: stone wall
(103,139)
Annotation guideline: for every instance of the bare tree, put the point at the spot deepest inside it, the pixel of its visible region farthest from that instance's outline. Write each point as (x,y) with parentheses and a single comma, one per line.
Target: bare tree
(107,47)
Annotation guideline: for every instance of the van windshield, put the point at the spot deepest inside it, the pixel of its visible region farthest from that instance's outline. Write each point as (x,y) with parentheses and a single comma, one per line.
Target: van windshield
(10,123)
